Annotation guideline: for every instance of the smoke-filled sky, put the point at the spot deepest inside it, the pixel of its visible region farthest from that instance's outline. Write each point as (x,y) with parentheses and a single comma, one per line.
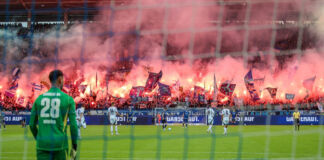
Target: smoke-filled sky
(201,37)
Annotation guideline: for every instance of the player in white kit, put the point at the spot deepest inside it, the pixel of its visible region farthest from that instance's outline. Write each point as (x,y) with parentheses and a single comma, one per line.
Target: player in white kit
(80,118)
(226,115)
(210,119)
(113,113)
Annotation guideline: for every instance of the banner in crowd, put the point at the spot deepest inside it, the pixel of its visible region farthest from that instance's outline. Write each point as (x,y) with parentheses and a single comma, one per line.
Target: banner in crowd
(13,85)
(227,89)
(290,96)
(10,93)
(15,73)
(201,98)
(164,90)
(308,83)
(272,91)
(199,119)
(152,80)
(148,119)
(136,93)
(37,87)
(249,83)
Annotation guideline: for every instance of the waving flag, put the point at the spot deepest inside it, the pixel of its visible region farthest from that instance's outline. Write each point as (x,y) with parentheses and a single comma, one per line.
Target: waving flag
(201,98)
(136,92)
(152,80)
(290,96)
(37,87)
(227,89)
(164,89)
(15,73)
(272,91)
(249,83)
(13,85)
(248,78)
(10,93)
(308,83)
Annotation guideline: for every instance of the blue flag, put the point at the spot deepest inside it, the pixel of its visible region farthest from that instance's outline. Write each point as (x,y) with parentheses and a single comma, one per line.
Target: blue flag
(37,87)
(136,93)
(248,79)
(164,89)
(290,96)
(152,80)
(201,98)
(15,73)
(13,86)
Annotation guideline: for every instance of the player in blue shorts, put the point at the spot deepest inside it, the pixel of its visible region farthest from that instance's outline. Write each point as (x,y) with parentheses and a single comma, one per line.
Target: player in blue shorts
(164,118)
(185,118)
(130,115)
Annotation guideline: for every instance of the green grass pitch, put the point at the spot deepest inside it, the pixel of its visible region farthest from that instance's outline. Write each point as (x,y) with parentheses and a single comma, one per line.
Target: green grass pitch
(149,142)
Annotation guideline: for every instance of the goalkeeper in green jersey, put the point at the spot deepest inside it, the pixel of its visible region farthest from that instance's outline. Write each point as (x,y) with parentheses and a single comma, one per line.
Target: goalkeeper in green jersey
(51,111)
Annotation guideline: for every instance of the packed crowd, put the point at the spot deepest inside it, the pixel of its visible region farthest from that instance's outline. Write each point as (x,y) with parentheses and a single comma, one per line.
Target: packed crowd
(91,101)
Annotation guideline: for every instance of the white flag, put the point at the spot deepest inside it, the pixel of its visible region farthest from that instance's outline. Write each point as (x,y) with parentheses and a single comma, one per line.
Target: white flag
(320,107)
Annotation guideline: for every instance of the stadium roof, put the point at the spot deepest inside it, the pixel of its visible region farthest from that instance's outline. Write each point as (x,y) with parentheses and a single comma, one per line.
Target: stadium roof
(51,10)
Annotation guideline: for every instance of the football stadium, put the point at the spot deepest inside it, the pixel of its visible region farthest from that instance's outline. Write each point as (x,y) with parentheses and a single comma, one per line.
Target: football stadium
(161,79)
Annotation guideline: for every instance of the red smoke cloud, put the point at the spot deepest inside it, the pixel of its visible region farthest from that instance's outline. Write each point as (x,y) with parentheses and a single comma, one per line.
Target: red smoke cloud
(148,33)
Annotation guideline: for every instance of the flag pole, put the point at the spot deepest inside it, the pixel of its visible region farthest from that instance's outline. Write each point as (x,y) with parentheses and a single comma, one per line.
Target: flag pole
(96,79)
(215,89)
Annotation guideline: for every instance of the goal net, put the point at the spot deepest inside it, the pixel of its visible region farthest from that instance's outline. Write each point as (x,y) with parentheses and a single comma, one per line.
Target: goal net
(260,58)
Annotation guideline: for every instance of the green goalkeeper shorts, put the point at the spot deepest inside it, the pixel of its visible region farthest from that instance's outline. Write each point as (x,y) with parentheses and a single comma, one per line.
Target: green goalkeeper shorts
(52,155)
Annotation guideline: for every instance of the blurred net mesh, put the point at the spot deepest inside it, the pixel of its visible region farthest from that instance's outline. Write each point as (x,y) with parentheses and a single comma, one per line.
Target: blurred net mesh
(246,24)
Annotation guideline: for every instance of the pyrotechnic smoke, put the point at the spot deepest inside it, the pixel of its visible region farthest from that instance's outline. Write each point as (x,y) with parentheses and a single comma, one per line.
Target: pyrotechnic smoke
(318,13)
(147,32)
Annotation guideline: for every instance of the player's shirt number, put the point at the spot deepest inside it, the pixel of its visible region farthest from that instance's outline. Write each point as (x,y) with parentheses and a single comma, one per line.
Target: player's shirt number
(51,107)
